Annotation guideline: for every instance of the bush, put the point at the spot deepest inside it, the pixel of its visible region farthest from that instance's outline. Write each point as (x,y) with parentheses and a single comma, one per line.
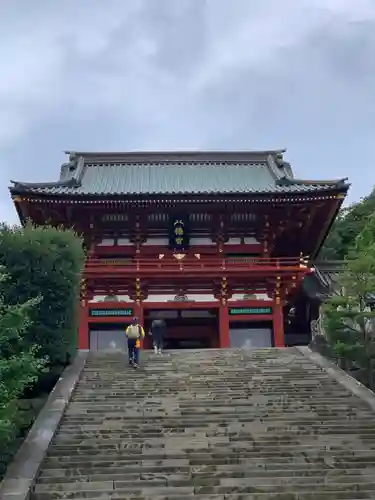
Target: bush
(48,261)
(20,366)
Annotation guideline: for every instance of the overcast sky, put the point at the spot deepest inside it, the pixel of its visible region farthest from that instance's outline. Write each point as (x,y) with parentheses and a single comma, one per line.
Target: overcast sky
(188,74)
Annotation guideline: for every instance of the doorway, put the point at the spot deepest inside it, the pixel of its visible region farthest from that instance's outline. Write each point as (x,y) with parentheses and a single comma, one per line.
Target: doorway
(186,328)
(251,335)
(107,337)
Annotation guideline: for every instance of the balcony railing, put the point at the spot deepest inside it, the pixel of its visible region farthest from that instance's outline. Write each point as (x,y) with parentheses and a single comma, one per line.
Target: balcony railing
(194,265)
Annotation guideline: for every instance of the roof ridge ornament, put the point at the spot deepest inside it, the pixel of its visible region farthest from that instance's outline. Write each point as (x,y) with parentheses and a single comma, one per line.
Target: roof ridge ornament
(286,181)
(279,168)
(69,183)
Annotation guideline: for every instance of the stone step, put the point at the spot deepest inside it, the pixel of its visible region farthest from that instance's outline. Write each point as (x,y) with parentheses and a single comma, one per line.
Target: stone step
(249,466)
(227,470)
(220,425)
(123,425)
(75,414)
(208,457)
(250,463)
(160,478)
(267,442)
(209,404)
(200,486)
(318,495)
(236,452)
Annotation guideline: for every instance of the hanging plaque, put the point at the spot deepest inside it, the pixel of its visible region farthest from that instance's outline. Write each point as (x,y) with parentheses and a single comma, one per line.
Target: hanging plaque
(179,239)
(238,311)
(110,313)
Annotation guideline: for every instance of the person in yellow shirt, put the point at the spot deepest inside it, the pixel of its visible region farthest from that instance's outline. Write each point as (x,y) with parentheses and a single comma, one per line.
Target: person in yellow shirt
(134,333)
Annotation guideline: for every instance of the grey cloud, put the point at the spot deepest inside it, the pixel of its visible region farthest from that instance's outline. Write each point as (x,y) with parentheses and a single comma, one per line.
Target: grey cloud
(175,74)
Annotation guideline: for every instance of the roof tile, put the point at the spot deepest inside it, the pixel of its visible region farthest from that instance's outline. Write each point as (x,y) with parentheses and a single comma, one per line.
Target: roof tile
(179,178)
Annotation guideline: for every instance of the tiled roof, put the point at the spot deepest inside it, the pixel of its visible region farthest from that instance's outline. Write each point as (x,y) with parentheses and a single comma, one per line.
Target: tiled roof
(260,174)
(325,280)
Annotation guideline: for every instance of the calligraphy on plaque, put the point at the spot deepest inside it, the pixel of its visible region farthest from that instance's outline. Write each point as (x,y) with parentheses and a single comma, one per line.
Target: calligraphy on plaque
(179,240)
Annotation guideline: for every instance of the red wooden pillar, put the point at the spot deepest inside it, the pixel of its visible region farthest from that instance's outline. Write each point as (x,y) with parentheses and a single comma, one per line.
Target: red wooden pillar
(278,324)
(138,312)
(224,340)
(83,327)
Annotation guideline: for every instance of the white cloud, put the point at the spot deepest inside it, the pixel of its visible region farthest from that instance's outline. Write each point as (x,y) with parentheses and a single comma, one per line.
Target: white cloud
(169,74)
(262,41)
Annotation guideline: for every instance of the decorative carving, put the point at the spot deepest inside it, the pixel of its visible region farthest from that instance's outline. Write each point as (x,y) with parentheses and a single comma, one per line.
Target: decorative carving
(219,233)
(138,292)
(303,261)
(317,327)
(221,290)
(266,236)
(278,290)
(83,291)
(137,236)
(181,298)
(111,298)
(280,162)
(179,256)
(249,296)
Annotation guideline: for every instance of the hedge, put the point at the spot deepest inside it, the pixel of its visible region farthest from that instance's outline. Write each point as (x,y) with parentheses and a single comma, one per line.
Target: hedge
(48,262)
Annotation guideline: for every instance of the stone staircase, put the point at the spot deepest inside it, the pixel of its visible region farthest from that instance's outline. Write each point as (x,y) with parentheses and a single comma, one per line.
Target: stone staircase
(213,424)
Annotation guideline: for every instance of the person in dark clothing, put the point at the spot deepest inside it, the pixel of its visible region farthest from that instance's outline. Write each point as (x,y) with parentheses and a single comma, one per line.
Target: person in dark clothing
(158,328)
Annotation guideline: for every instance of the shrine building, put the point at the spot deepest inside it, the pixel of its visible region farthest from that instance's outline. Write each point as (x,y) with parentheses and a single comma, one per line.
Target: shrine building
(219,244)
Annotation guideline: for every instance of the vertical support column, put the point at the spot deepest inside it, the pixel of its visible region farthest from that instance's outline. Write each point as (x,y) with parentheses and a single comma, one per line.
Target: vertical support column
(224,340)
(278,324)
(83,327)
(83,317)
(278,316)
(138,311)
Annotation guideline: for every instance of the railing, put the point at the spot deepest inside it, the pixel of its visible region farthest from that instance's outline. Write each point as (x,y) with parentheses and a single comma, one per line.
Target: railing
(191,264)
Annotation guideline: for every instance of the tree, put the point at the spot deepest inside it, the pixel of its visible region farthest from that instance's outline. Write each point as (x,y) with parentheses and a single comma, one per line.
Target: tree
(20,364)
(348,316)
(49,260)
(349,224)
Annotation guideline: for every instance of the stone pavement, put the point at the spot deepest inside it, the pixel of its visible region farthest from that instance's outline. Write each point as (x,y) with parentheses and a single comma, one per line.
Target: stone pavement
(214,424)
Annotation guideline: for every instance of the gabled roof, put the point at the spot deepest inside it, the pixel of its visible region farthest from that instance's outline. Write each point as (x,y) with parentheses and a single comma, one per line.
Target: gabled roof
(323,281)
(155,173)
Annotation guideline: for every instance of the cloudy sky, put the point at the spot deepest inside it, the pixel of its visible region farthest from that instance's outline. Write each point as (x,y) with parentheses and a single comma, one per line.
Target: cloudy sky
(188,74)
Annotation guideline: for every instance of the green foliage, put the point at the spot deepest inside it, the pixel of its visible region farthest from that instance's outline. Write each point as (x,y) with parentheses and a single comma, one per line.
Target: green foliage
(348,225)
(348,317)
(48,261)
(20,364)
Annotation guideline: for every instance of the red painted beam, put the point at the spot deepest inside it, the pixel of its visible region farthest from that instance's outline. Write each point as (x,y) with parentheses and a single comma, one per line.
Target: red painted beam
(154,250)
(210,267)
(266,272)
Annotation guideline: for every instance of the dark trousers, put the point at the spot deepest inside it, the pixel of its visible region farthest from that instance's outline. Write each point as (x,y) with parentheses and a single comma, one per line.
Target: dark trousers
(133,351)
(158,340)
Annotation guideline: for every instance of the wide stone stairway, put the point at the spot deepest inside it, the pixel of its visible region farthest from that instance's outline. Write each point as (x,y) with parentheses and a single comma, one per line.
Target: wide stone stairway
(214,424)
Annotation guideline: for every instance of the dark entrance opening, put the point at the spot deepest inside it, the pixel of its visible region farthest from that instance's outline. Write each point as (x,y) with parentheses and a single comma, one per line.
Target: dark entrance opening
(251,334)
(186,328)
(107,336)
